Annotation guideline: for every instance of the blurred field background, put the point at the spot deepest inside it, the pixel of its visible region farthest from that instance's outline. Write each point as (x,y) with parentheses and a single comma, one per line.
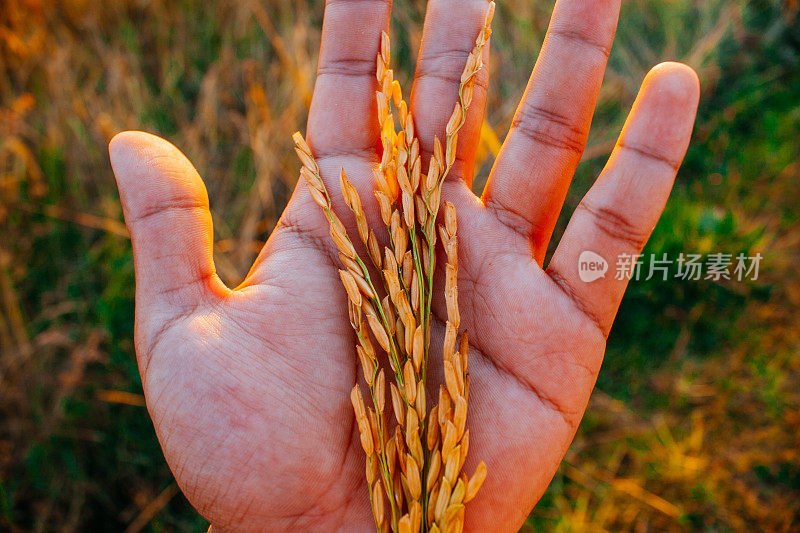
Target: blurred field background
(695,423)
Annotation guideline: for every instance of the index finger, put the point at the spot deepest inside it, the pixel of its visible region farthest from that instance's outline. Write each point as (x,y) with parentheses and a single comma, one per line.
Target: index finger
(343,110)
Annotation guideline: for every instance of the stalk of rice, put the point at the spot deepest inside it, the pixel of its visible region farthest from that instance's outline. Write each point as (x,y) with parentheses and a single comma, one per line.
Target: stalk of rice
(414,485)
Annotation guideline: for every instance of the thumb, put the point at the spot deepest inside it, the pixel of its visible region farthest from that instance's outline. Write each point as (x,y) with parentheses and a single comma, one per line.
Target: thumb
(166,210)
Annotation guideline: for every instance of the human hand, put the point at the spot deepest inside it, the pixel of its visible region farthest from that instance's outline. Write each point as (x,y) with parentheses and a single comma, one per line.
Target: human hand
(249,388)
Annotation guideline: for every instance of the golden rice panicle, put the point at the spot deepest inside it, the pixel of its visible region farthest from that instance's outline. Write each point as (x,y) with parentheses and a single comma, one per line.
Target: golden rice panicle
(451,489)
(394,172)
(445,503)
(474,64)
(415,476)
(348,253)
(362,302)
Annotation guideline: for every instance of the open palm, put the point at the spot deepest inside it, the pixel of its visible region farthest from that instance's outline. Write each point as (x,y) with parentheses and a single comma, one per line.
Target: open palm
(249,388)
